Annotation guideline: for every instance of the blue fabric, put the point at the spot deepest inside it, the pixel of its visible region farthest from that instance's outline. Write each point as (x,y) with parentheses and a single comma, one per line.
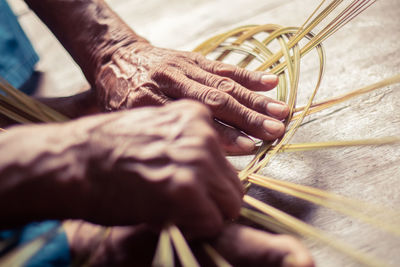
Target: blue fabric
(17,57)
(54,253)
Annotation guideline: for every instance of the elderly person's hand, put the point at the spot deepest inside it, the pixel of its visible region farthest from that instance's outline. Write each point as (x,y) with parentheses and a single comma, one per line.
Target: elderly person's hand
(126,71)
(152,165)
(141,74)
(162,164)
(239,245)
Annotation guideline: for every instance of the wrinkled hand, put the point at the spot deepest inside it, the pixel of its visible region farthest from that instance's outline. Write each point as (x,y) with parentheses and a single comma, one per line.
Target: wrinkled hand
(141,74)
(135,246)
(160,164)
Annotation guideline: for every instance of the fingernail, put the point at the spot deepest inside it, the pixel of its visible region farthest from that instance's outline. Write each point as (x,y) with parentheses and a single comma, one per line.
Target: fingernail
(273,126)
(245,143)
(277,109)
(268,79)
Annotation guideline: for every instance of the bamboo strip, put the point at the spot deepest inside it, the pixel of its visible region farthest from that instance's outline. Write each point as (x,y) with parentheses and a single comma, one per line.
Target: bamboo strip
(218,260)
(29,105)
(164,256)
(342,98)
(340,204)
(309,231)
(20,255)
(185,255)
(302,34)
(252,167)
(338,144)
(266,221)
(14,116)
(357,204)
(302,147)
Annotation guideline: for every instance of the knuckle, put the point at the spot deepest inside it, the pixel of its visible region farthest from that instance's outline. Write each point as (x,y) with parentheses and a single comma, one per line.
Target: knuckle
(215,99)
(226,85)
(250,117)
(178,81)
(160,69)
(190,57)
(242,73)
(184,185)
(258,101)
(174,61)
(202,159)
(222,69)
(197,57)
(161,74)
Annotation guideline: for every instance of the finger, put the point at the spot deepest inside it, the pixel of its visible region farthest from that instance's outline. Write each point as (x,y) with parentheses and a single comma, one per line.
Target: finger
(225,108)
(213,157)
(204,152)
(193,209)
(258,248)
(252,100)
(254,80)
(213,175)
(232,140)
(295,254)
(223,167)
(225,189)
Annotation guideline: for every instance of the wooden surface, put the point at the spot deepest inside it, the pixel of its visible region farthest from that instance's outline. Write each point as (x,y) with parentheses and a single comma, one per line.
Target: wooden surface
(364,52)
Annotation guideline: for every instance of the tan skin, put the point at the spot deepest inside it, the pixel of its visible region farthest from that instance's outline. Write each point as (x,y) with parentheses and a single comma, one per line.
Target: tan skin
(123,245)
(146,166)
(154,162)
(126,71)
(150,165)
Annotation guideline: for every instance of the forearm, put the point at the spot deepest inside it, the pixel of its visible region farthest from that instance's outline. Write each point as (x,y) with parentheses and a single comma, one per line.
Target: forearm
(41,175)
(88,29)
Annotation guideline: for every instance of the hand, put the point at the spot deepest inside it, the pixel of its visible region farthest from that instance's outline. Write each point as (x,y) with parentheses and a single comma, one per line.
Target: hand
(126,71)
(135,246)
(244,246)
(156,165)
(141,74)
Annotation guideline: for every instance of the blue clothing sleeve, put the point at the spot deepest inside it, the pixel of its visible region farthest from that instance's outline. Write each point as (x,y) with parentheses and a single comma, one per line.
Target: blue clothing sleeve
(17,56)
(54,253)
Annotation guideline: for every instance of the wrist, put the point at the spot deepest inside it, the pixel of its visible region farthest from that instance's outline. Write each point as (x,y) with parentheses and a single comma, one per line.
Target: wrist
(118,73)
(103,52)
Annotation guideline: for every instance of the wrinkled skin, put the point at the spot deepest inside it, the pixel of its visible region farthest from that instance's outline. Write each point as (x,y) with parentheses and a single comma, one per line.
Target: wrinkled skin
(151,165)
(141,74)
(135,246)
(160,163)
(125,71)
(157,164)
